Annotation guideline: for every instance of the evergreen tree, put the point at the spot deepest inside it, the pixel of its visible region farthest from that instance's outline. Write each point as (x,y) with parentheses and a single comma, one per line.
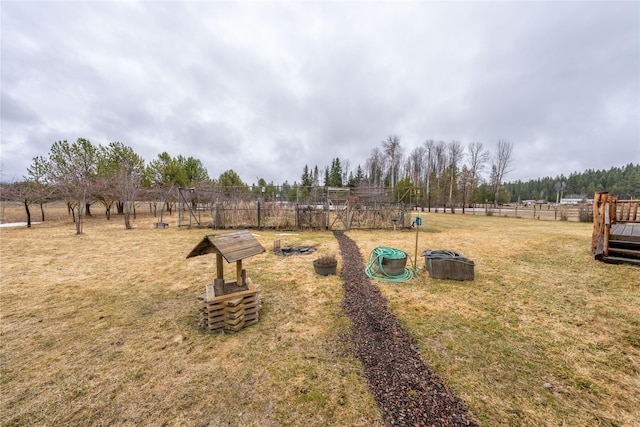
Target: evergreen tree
(335,174)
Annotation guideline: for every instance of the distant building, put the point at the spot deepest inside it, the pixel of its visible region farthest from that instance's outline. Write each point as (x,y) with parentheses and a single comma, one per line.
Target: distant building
(575,201)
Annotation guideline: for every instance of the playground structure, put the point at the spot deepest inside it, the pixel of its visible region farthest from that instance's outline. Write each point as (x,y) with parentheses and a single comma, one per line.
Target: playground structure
(616,230)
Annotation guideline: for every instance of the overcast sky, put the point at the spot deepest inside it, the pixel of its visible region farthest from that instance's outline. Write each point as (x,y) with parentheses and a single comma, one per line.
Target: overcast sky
(264,88)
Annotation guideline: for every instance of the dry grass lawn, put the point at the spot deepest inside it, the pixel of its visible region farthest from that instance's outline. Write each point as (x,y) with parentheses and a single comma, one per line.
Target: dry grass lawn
(101,328)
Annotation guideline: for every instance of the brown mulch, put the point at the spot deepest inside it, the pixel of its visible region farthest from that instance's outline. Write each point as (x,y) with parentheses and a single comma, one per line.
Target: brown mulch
(406,390)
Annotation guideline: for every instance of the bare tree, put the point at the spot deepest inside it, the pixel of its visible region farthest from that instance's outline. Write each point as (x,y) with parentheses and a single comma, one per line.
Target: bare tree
(465,182)
(500,166)
(124,169)
(393,150)
(375,166)
(429,149)
(129,182)
(559,186)
(439,166)
(413,170)
(345,170)
(72,169)
(478,158)
(35,188)
(416,165)
(454,153)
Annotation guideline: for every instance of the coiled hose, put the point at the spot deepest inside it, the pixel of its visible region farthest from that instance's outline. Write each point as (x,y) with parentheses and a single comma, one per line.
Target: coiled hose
(376,271)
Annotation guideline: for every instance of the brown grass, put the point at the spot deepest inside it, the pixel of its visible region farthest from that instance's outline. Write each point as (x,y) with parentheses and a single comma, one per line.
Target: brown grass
(545,335)
(101,328)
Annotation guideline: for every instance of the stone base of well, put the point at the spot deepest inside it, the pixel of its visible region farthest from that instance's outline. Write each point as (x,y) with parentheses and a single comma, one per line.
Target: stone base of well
(231,312)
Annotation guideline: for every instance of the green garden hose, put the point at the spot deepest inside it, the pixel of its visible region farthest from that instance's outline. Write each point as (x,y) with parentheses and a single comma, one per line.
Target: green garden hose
(375,270)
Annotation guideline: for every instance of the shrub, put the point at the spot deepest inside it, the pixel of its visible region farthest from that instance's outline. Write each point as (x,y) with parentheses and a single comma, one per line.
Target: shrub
(327,260)
(564,215)
(585,213)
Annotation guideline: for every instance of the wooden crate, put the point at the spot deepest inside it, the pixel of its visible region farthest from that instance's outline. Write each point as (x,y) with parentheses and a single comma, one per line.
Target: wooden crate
(450,268)
(232,312)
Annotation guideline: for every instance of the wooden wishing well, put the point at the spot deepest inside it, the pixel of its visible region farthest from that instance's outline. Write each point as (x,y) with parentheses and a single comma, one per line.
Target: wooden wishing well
(229,305)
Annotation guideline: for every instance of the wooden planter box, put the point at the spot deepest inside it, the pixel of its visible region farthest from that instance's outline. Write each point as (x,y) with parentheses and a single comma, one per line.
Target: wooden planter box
(453,268)
(231,312)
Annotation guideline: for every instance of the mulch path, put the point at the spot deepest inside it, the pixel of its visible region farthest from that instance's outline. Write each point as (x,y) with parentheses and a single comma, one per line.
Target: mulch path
(407,391)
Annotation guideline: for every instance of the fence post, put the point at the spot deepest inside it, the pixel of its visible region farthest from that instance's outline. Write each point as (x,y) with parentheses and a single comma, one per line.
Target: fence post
(259,215)
(219,218)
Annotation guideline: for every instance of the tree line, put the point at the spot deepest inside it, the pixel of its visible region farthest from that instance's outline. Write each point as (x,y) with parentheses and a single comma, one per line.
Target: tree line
(436,174)
(624,182)
(448,174)
(113,175)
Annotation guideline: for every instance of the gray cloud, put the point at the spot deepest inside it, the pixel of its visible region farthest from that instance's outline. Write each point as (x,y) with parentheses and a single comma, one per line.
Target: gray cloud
(265,88)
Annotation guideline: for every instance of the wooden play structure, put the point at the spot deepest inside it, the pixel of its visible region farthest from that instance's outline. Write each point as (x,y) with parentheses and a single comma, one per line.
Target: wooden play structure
(229,305)
(616,230)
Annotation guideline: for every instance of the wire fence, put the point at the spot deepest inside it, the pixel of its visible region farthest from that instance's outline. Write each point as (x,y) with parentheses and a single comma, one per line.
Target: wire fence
(289,216)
